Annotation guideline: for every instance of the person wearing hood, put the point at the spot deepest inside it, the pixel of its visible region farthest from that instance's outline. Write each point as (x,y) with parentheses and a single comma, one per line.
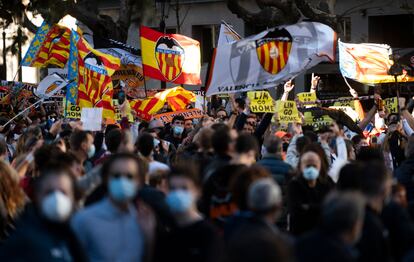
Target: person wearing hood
(43,232)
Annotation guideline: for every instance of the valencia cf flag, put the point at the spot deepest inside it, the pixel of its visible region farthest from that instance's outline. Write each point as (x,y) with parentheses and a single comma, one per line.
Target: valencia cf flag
(170,57)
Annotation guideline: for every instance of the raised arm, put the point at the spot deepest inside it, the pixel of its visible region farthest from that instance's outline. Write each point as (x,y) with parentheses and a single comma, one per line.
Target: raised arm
(287,88)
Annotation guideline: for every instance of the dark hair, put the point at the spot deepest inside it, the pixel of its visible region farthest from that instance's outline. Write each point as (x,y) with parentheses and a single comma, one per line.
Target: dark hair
(113,139)
(145,144)
(241,102)
(301,143)
(372,178)
(341,211)
(369,154)
(246,143)
(242,181)
(311,135)
(106,167)
(177,117)
(3,146)
(356,139)
(221,140)
(185,169)
(273,144)
(349,176)
(55,169)
(157,177)
(77,138)
(44,155)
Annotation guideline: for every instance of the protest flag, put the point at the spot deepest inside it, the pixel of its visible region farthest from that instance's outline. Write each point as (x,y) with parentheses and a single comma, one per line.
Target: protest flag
(227,35)
(368,63)
(91,71)
(170,57)
(50,46)
(267,59)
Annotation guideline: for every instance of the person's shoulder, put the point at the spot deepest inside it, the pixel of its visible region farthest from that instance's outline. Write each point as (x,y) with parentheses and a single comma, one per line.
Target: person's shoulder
(89,212)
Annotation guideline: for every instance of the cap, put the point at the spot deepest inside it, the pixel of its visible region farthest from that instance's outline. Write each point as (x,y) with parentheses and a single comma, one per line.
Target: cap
(155,123)
(281,134)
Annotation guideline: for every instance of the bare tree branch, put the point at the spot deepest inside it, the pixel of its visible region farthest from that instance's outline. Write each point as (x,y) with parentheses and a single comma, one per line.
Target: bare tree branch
(317,15)
(28,24)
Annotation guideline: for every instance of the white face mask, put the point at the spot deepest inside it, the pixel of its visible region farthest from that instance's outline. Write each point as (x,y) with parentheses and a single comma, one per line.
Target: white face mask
(57,207)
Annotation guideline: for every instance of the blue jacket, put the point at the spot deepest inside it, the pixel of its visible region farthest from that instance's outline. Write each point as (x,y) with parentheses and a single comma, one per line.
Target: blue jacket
(277,167)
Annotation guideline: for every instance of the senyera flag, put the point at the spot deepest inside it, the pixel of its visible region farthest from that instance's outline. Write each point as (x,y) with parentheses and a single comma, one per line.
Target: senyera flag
(170,57)
(50,46)
(267,59)
(368,63)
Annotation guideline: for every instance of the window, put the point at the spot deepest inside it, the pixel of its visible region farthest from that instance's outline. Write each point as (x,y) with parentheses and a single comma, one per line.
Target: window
(207,36)
(394,30)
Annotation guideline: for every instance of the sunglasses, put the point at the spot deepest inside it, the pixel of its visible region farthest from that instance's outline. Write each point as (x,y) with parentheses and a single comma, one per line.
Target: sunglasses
(119,175)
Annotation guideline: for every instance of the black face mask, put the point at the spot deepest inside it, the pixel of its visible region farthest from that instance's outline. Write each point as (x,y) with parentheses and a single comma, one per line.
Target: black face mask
(285,146)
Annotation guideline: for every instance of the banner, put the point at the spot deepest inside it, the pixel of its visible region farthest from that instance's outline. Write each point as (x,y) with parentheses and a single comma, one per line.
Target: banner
(170,57)
(271,57)
(261,102)
(317,122)
(50,85)
(367,63)
(350,102)
(287,112)
(391,104)
(187,114)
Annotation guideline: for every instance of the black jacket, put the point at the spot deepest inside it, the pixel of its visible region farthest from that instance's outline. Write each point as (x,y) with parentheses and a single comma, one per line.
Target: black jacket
(304,204)
(404,174)
(323,247)
(35,239)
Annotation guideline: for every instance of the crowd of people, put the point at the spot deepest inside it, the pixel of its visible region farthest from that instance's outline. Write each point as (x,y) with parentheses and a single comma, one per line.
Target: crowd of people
(231,186)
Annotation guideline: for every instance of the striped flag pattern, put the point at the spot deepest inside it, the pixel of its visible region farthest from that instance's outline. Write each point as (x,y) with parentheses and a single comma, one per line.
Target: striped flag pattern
(273,55)
(50,46)
(92,71)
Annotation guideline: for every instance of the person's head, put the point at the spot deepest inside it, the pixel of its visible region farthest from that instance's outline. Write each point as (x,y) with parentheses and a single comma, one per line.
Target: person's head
(343,216)
(350,149)
(367,154)
(158,180)
(336,128)
(184,188)
(240,103)
(13,197)
(359,142)
(399,195)
(145,144)
(313,163)
(55,193)
(44,155)
(177,125)
(310,165)
(246,149)
(156,126)
(301,143)
(248,128)
(203,139)
(375,184)
(273,145)
(349,176)
(81,142)
(121,177)
(241,182)
(265,198)
(222,140)
(221,114)
(188,125)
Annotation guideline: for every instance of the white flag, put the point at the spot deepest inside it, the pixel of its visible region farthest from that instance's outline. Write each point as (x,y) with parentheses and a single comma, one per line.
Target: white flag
(50,85)
(267,59)
(227,35)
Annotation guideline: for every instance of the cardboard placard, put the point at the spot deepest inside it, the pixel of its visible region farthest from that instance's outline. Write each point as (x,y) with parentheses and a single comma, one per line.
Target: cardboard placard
(287,112)
(188,114)
(350,102)
(261,102)
(306,97)
(391,104)
(92,118)
(317,122)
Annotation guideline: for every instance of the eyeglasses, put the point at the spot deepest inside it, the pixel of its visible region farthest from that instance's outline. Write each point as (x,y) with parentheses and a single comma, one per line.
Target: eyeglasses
(119,175)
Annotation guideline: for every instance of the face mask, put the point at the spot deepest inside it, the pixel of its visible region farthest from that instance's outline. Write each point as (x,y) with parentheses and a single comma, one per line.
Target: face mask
(56,207)
(91,151)
(310,173)
(156,142)
(179,201)
(122,189)
(263,150)
(178,130)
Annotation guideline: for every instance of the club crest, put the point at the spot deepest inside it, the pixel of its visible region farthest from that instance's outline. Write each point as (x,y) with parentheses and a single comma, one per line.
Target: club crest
(170,57)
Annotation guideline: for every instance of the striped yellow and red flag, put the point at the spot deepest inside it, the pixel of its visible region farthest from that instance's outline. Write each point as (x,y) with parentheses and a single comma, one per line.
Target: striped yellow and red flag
(50,46)
(92,71)
(170,57)
(178,98)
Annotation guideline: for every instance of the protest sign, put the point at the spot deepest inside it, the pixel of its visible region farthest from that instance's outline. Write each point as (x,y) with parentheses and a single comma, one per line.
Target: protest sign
(391,104)
(347,110)
(92,118)
(187,114)
(350,102)
(70,110)
(307,97)
(118,115)
(317,122)
(261,102)
(287,112)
